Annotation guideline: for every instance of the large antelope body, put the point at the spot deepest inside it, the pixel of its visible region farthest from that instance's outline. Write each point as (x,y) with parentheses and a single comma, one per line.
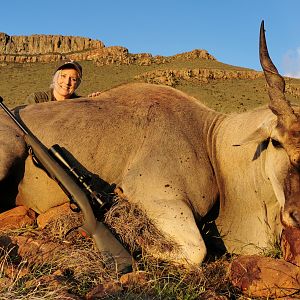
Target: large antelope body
(175,158)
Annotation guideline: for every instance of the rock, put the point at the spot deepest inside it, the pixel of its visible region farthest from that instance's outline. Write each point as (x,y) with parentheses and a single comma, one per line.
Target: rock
(63,211)
(259,276)
(134,278)
(46,48)
(14,272)
(36,250)
(196,53)
(17,217)
(290,245)
(106,289)
(169,77)
(39,44)
(51,48)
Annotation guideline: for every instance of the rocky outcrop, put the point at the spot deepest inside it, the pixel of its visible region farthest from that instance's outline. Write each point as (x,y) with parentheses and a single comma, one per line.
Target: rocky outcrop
(264,277)
(45,44)
(50,48)
(172,77)
(16,218)
(197,53)
(8,58)
(121,56)
(118,55)
(45,48)
(290,245)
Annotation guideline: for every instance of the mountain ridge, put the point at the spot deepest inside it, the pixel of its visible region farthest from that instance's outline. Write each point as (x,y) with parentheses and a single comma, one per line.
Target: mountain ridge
(50,48)
(27,64)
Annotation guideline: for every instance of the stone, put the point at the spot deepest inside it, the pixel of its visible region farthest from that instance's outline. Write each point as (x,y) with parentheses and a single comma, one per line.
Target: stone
(17,217)
(14,272)
(259,276)
(290,245)
(106,289)
(39,44)
(61,211)
(134,278)
(36,250)
(173,76)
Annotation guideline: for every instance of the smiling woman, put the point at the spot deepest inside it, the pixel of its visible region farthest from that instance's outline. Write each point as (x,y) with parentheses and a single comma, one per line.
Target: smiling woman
(66,80)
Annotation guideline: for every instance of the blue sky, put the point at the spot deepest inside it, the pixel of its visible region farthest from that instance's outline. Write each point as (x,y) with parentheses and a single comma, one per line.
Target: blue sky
(226,29)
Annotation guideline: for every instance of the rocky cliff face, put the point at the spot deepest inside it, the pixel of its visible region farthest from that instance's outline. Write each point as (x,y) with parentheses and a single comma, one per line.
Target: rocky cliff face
(49,48)
(45,48)
(45,44)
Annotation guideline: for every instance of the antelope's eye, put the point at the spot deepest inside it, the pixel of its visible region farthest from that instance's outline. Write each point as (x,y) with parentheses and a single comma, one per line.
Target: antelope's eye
(295,134)
(276,143)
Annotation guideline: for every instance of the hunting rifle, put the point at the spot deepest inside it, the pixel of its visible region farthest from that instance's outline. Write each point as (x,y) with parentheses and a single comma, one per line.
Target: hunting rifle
(78,192)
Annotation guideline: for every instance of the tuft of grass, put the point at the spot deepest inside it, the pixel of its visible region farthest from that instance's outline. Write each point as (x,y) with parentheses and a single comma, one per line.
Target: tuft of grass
(274,251)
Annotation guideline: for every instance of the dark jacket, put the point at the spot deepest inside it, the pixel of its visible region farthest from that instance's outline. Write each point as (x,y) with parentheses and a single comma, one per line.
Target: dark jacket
(44,96)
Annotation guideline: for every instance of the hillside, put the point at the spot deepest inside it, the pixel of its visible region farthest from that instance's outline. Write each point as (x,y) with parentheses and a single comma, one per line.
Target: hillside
(27,64)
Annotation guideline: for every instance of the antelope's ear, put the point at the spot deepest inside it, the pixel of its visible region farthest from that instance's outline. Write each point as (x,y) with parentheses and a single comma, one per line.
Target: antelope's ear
(262,133)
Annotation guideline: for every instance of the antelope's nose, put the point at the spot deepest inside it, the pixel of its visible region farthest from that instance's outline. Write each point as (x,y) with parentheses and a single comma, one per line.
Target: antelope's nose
(291,213)
(295,217)
(295,160)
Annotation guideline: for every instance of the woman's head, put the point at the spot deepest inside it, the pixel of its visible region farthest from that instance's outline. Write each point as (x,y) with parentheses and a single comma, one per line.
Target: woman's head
(66,80)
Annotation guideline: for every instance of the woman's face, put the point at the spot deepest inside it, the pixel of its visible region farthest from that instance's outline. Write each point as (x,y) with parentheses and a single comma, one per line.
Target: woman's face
(66,83)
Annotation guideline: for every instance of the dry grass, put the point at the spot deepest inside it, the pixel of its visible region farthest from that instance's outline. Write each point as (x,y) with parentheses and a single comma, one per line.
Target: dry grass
(136,230)
(75,268)
(79,270)
(65,265)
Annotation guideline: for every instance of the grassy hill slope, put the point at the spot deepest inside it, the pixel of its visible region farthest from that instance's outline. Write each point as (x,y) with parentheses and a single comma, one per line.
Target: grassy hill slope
(18,80)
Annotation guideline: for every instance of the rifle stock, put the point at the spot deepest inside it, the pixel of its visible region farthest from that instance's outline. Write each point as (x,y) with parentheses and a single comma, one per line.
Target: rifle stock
(103,237)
